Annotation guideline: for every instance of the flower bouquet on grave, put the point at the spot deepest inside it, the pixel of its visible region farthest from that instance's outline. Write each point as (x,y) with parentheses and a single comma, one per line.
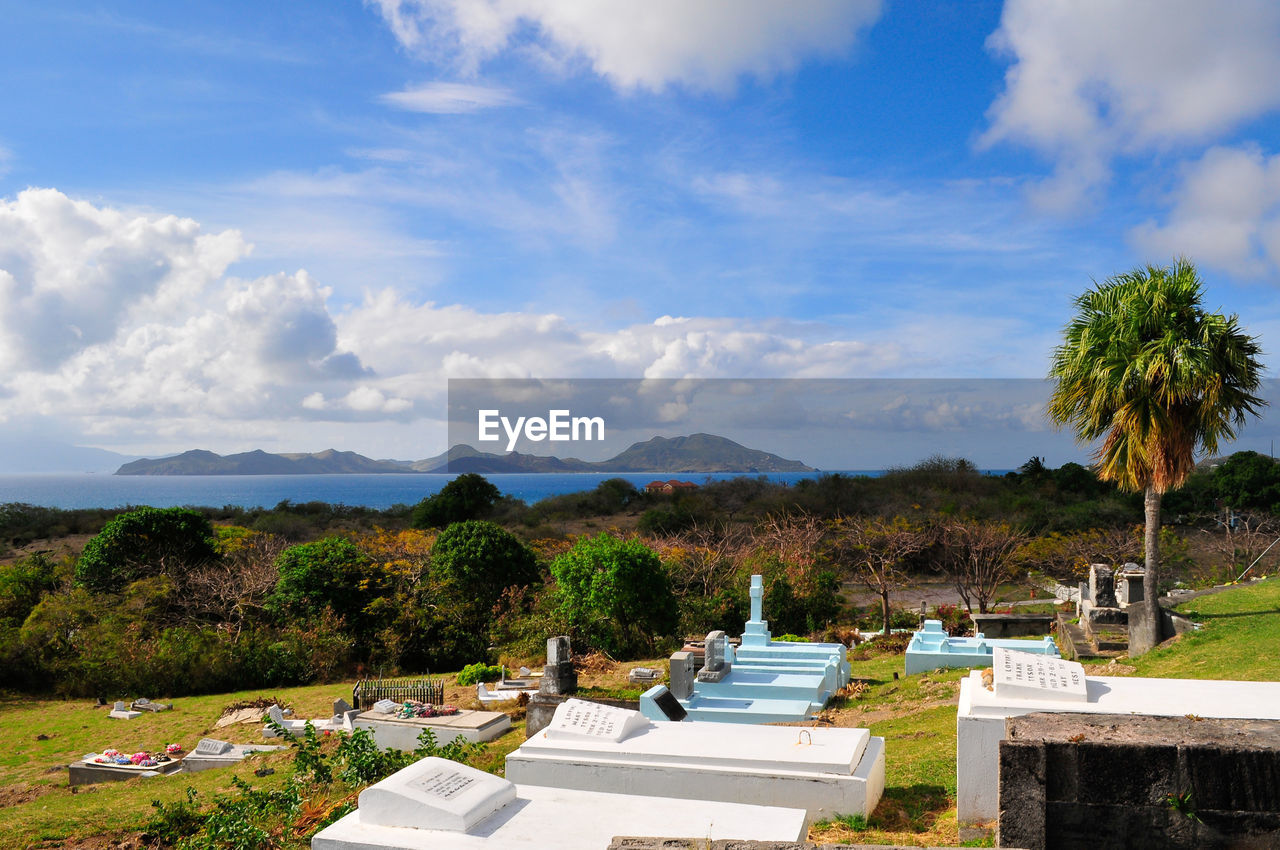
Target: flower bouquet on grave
(173,749)
(413,708)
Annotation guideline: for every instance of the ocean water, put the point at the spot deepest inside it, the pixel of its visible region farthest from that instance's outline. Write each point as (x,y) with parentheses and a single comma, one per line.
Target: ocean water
(80,490)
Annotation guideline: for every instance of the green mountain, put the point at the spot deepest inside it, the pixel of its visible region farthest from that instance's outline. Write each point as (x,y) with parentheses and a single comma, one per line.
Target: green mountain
(696,453)
(258,462)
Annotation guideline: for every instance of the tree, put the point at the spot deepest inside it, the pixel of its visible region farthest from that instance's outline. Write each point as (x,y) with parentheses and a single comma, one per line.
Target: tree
(877,549)
(977,556)
(1248,481)
(614,594)
(1146,369)
(482,559)
(329,573)
(469,496)
(142,543)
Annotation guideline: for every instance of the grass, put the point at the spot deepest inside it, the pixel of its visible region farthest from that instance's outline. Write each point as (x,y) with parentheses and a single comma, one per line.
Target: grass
(1241,631)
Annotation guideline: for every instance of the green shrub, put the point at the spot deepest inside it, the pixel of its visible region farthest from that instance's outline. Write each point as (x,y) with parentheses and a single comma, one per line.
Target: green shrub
(479,672)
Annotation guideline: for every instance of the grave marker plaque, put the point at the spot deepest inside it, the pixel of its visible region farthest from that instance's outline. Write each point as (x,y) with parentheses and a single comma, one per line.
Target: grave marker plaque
(580,719)
(212,747)
(435,794)
(669,705)
(1024,675)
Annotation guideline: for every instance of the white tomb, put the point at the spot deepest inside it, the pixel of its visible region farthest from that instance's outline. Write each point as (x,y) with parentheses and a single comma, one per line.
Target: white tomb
(825,771)
(401,733)
(436,804)
(211,753)
(120,711)
(980,719)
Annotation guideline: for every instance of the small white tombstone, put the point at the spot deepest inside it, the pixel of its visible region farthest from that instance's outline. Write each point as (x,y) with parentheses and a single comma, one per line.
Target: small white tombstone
(1025,675)
(579,719)
(213,747)
(386,706)
(122,712)
(435,793)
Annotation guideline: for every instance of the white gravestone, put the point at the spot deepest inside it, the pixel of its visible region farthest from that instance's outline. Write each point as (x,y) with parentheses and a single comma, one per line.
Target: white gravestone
(386,706)
(579,719)
(1024,675)
(435,793)
(213,747)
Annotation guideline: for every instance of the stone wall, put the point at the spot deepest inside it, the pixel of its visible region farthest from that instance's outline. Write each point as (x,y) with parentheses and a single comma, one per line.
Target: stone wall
(1087,781)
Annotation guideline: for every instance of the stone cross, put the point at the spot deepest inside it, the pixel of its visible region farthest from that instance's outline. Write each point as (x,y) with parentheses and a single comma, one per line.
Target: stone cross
(757,598)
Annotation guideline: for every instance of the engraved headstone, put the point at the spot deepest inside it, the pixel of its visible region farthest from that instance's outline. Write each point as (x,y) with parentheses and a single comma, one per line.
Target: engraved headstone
(575,718)
(120,706)
(276,714)
(559,676)
(435,793)
(716,666)
(682,674)
(1102,586)
(212,747)
(386,706)
(1024,675)
(340,707)
(558,650)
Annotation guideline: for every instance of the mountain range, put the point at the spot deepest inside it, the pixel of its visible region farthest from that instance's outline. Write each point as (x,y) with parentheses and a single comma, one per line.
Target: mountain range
(697,453)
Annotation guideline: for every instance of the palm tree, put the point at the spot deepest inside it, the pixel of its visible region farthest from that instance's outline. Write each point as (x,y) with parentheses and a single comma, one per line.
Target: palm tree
(1145,368)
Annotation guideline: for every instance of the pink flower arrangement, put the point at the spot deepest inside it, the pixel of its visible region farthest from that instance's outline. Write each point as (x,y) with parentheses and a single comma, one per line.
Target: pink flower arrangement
(173,749)
(140,757)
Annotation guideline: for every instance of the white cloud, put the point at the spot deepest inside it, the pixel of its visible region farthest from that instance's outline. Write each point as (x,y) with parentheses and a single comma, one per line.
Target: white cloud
(705,45)
(177,352)
(1226,214)
(1092,79)
(448,98)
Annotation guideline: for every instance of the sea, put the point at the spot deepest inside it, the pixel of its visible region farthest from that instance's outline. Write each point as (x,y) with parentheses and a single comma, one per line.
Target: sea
(89,490)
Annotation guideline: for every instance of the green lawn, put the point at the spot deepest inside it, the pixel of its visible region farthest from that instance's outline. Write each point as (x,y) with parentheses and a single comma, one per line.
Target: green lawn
(1239,640)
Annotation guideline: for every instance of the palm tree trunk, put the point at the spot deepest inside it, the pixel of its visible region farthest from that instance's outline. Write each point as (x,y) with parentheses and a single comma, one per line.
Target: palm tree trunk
(1144,631)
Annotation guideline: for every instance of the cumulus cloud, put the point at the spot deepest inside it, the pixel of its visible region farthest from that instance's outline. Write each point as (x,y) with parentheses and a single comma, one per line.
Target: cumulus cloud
(448,98)
(180,352)
(1226,214)
(705,45)
(1092,79)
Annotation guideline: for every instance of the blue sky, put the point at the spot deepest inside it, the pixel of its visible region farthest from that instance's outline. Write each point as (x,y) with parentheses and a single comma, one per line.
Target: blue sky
(286,225)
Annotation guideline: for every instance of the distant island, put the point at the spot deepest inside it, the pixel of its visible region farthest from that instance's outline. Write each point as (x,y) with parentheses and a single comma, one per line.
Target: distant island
(696,453)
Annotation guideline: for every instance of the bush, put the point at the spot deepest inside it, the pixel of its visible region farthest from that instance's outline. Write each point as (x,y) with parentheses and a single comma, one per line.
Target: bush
(479,672)
(142,543)
(615,595)
(468,496)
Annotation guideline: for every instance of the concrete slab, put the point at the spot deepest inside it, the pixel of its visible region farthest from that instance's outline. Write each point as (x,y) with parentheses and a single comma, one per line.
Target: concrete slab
(87,772)
(402,733)
(211,753)
(466,808)
(826,771)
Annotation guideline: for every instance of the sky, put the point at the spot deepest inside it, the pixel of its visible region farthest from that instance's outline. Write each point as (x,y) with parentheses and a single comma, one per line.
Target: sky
(286,225)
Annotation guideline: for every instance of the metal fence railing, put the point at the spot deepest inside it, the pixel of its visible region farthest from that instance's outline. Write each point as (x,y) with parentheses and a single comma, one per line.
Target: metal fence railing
(368,691)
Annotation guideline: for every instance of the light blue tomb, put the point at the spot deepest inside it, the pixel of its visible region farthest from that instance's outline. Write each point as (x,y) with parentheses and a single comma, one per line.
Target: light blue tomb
(762,681)
(931,648)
